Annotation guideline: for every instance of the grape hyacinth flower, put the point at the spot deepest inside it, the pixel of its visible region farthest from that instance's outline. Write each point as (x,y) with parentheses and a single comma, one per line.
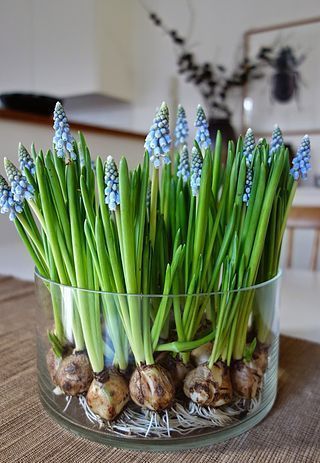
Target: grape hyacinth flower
(276,141)
(248,149)
(20,187)
(248,146)
(248,185)
(62,140)
(158,140)
(184,166)
(112,196)
(196,168)
(181,131)
(25,160)
(7,202)
(301,162)
(202,136)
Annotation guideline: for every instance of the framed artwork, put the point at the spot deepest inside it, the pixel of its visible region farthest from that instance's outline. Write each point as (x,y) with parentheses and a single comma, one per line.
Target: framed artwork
(288,93)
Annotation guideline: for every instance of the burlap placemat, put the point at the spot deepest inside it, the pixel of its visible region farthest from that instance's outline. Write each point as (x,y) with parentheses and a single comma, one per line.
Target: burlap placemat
(291,433)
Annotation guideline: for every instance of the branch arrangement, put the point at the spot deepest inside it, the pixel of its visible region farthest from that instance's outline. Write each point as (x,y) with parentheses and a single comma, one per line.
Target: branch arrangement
(163,257)
(213,80)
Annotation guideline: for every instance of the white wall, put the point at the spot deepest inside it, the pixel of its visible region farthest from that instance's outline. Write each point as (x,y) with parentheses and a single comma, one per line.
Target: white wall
(217,36)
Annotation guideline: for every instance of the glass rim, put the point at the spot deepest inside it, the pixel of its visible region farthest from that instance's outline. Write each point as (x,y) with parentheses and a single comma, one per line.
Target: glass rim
(140,295)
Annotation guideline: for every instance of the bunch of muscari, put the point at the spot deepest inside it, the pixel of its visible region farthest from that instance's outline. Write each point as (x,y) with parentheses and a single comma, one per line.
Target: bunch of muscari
(98,227)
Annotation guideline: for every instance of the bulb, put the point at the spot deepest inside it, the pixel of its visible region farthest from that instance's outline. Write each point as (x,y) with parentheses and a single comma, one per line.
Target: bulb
(75,374)
(209,386)
(151,387)
(107,396)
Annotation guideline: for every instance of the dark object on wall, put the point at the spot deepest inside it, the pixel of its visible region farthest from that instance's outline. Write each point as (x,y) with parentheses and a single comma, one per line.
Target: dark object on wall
(27,102)
(286,79)
(212,80)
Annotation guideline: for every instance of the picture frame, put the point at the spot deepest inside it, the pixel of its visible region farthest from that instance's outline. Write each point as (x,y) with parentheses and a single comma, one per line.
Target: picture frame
(301,114)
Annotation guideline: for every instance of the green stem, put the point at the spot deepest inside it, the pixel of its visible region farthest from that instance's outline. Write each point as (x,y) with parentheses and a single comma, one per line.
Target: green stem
(154,205)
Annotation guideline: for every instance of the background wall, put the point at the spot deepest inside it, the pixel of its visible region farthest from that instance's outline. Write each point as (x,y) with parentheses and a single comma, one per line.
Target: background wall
(215,33)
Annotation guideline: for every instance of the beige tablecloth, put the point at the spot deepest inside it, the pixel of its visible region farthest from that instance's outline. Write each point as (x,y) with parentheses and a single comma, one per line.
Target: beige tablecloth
(291,432)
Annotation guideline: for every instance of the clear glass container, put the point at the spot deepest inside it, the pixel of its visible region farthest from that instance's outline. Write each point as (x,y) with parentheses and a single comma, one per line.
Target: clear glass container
(250,318)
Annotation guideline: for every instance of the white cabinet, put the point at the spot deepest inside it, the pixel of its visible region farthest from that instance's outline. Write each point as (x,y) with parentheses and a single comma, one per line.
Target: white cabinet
(67,47)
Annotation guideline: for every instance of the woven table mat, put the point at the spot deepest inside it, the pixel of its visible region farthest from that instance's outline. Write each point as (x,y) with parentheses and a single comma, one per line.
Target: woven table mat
(291,432)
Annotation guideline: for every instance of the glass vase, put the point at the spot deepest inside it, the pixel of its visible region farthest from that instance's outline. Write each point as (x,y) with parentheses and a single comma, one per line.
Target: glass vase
(240,382)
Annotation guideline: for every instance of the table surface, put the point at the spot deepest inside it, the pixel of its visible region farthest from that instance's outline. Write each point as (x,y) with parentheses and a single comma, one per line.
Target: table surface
(291,432)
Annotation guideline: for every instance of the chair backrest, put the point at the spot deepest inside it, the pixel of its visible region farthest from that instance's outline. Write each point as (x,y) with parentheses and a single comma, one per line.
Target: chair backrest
(307,218)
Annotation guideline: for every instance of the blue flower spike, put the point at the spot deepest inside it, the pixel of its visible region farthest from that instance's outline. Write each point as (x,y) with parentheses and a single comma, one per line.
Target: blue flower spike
(248,150)
(184,165)
(301,162)
(7,202)
(62,140)
(196,168)
(25,160)
(181,130)
(202,135)
(112,195)
(248,146)
(20,187)
(158,140)
(276,141)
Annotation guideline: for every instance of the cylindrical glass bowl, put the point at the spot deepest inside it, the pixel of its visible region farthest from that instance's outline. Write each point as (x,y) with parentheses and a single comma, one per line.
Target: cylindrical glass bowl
(250,316)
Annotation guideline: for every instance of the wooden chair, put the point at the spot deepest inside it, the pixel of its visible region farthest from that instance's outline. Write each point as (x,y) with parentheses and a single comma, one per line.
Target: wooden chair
(304,218)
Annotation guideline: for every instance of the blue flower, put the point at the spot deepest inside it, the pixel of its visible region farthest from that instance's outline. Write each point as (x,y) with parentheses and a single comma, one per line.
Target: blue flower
(62,140)
(7,202)
(181,131)
(112,196)
(276,142)
(158,140)
(202,136)
(25,160)
(249,146)
(196,168)
(20,187)
(301,162)
(248,185)
(184,166)
(248,150)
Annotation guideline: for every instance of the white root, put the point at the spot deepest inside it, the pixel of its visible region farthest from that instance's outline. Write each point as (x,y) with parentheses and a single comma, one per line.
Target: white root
(92,417)
(181,419)
(68,400)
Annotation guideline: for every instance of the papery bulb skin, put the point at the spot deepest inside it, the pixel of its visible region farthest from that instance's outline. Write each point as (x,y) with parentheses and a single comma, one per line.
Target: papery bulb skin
(209,386)
(246,379)
(53,364)
(175,367)
(108,394)
(151,387)
(260,357)
(75,375)
(201,354)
